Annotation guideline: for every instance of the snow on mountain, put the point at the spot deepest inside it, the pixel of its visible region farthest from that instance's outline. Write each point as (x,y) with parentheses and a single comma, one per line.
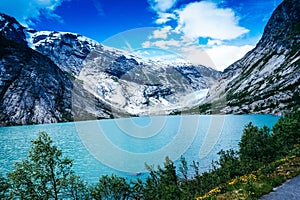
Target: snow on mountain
(99,81)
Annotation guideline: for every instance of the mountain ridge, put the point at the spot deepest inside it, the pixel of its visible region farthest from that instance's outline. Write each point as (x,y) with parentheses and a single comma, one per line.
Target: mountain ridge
(102,82)
(266,79)
(91,81)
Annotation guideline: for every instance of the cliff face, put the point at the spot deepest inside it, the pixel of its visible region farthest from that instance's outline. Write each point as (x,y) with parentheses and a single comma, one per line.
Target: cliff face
(32,88)
(11,29)
(265,80)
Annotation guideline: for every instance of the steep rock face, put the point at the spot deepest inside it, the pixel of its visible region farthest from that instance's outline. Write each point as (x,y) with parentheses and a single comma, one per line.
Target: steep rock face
(265,80)
(11,29)
(32,88)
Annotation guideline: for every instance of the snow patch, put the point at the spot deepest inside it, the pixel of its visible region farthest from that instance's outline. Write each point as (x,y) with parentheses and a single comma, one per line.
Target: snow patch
(272,64)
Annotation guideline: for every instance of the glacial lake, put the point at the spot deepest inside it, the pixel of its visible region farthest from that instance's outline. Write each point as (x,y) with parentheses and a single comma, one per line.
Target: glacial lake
(122,146)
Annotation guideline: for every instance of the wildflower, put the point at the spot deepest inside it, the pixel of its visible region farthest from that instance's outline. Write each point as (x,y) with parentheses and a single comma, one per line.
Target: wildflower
(210,193)
(248,177)
(234,181)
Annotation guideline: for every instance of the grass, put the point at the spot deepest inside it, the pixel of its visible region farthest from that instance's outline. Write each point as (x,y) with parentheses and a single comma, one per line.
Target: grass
(258,183)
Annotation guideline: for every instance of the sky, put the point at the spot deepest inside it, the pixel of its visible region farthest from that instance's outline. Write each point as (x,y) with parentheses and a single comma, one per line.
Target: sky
(214,33)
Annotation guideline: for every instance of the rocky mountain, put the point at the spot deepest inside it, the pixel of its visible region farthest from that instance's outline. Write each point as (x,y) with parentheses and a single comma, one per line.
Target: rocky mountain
(32,88)
(56,76)
(11,29)
(266,79)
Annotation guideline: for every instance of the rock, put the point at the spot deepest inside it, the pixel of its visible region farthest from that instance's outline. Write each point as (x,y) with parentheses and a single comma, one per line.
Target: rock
(266,79)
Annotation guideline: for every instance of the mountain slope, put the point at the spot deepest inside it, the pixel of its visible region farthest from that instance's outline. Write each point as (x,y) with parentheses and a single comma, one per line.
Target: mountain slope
(33,89)
(57,76)
(125,82)
(265,80)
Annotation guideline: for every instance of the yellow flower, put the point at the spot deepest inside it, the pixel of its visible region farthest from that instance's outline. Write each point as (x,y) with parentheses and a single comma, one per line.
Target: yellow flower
(210,193)
(234,181)
(248,177)
(252,177)
(244,178)
(282,160)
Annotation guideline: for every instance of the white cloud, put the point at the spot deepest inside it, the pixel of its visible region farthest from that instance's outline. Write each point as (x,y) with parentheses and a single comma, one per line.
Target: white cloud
(215,55)
(161,33)
(205,19)
(224,55)
(197,55)
(25,10)
(161,5)
(164,17)
(146,44)
(162,44)
(213,42)
(198,20)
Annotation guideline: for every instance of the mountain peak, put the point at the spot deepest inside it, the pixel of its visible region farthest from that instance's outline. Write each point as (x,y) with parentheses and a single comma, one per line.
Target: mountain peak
(266,79)
(283,28)
(11,29)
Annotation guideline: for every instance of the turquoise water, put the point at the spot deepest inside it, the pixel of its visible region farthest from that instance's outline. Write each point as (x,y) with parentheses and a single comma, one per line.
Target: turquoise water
(122,146)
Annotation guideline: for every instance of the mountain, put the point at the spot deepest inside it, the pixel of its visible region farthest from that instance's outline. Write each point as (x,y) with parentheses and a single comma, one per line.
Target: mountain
(266,79)
(120,79)
(32,88)
(49,76)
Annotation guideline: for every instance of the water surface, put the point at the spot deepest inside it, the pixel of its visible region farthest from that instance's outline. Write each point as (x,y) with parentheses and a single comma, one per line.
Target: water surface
(122,146)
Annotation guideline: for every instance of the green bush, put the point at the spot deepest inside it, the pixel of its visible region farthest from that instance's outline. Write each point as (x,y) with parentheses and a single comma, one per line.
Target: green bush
(286,133)
(256,147)
(111,187)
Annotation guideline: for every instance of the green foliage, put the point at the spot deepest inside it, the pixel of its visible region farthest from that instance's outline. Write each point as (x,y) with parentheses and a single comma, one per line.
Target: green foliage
(286,133)
(256,147)
(183,168)
(162,184)
(77,189)
(4,187)
(229,165)
(111,187)
(136,189)
(44,174)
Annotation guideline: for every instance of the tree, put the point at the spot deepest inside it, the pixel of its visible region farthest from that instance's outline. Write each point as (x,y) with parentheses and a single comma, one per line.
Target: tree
(229,165)
(77,189)
(111,187)
(162,184)
(44,174)
(4,187)
(286,133)
(256,147)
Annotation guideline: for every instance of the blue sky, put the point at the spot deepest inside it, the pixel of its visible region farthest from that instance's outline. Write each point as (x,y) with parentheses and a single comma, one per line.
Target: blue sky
(211,32)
